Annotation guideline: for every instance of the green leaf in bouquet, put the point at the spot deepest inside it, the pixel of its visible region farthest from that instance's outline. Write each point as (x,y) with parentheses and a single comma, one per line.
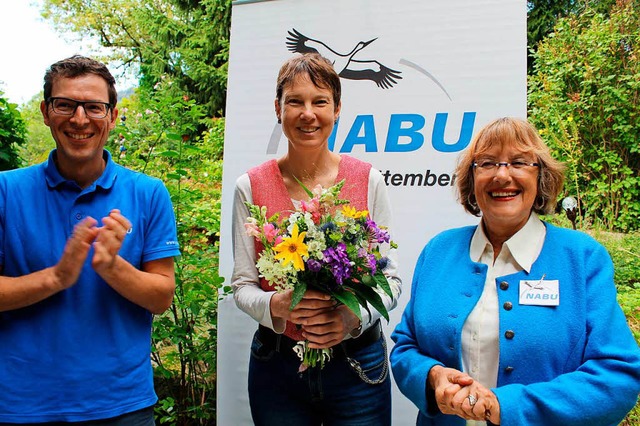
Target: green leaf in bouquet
(349,300)
(367,279)
(363,302)
(373,298)
(309,193)
(381,281)
(298,293)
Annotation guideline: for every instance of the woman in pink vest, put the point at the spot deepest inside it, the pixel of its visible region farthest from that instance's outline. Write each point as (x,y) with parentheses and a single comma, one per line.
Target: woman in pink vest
(353,388)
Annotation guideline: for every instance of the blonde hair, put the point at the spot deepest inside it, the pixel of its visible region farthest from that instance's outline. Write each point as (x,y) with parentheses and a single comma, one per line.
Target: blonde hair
(523,136)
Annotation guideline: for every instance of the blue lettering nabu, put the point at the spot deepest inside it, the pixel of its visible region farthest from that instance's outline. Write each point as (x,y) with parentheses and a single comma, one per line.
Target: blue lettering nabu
(404,133)
(542,296)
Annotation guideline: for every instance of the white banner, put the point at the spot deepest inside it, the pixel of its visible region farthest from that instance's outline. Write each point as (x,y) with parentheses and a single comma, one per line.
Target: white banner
(447,67)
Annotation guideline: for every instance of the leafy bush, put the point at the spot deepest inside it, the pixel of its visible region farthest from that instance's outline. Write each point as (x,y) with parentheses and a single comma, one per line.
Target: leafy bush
(40,142)
(158,135)
(625,252)
(13,133)
(585,98)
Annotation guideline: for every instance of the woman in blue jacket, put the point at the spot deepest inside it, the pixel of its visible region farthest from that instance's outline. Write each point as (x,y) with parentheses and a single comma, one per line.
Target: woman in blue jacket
(514,321)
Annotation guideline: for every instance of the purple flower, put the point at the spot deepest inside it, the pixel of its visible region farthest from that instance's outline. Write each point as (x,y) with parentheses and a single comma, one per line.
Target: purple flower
(377,235)
(372,263)
(313,265)
(338,262)
(370,258)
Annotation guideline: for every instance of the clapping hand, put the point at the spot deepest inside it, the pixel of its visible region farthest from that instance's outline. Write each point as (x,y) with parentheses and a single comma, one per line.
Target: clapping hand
(109,240)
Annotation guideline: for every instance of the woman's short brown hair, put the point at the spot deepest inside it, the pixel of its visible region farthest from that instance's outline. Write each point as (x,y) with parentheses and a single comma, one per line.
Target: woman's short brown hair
(319,69)
(523,136)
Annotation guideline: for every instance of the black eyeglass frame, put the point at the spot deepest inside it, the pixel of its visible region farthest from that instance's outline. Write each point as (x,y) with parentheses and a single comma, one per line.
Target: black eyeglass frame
(518,165)
(52,99)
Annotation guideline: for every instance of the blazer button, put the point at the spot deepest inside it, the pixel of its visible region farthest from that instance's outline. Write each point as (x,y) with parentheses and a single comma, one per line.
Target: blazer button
(509,334)
(507,306)
(509,369)
(504,285)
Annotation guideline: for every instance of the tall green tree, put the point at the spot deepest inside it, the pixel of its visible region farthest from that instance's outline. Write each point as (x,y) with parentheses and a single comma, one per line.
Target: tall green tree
(584,96)
(13,133)
(184,40)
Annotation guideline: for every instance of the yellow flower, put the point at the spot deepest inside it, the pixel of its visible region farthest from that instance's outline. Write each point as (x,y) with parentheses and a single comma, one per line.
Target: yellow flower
(349,211)
(291,249)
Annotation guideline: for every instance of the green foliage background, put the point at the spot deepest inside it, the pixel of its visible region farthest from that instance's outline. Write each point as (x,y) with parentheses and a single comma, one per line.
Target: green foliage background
(158,134)
(584,97)
(13,133)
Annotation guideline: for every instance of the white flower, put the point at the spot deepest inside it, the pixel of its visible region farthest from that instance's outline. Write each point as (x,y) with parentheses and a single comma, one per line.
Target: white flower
(300,349)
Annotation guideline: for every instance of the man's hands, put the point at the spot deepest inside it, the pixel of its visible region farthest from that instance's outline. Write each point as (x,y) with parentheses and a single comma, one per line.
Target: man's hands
(106,241)
(109,240)
(150,287)
(452,389)
(324,323)
(67,270)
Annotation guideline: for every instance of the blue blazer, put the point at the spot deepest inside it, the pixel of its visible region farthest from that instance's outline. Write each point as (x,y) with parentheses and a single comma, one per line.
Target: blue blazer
(572,364)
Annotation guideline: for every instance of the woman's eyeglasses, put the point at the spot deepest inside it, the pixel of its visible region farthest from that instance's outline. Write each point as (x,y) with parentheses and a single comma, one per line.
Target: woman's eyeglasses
(66,106)
(515,168)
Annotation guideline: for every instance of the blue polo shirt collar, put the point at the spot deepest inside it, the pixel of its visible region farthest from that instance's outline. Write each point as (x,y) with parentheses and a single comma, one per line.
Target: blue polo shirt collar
(105,181)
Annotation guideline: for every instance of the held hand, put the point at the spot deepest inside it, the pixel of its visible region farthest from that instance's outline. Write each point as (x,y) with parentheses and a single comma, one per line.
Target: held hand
(323,323)
(109,240)
(447,383)
(329,327)
(477,402)
(453,388)
(67,270)
(488,406)
(312,302)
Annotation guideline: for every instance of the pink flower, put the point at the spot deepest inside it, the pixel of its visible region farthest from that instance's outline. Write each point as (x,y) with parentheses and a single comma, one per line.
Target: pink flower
(252,229)
(312,206)
(270,232)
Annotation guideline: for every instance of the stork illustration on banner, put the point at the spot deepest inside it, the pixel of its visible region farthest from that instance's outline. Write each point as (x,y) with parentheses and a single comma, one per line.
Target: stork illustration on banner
(345,64)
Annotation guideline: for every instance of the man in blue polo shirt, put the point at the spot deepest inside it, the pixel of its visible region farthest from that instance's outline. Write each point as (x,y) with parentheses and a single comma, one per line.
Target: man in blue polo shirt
(86,254)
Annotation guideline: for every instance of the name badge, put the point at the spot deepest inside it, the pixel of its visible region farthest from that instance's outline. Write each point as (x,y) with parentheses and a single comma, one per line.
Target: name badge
(540,292)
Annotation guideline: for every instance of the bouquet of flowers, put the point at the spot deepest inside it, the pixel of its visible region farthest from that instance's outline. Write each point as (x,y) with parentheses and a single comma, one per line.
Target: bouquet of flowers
(327,245)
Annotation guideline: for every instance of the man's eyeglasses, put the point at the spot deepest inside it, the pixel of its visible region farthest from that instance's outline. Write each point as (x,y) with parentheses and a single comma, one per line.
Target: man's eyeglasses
(516,168)
(66,106)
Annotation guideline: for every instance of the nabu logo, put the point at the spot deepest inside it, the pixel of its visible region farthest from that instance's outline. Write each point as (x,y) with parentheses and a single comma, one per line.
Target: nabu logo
(346,64)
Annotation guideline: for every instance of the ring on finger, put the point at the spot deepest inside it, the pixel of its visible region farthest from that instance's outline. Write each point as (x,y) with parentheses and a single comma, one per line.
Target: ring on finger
(472,400)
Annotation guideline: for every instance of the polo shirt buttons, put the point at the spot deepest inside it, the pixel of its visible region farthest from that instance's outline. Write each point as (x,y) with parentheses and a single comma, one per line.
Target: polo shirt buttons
(509,334)
(78,216)
(508,369)
(504,285)
(507,306)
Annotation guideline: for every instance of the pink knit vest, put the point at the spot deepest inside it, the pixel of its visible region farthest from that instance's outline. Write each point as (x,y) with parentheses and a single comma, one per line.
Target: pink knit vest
(268,189)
